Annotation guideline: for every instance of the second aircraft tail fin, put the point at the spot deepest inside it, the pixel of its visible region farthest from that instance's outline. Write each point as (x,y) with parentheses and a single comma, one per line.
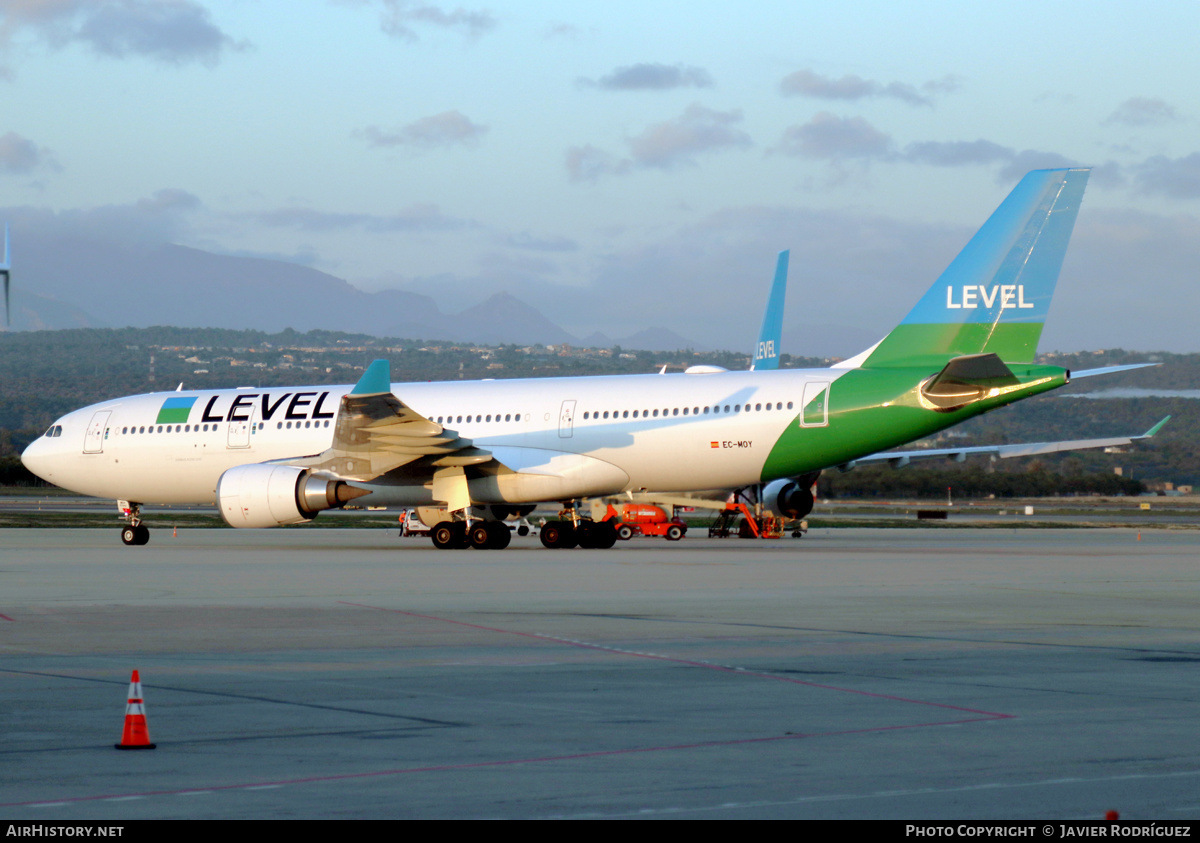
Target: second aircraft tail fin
(5,269)
(770,338)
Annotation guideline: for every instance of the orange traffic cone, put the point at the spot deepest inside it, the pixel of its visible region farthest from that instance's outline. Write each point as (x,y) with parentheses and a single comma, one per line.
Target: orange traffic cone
(137,733)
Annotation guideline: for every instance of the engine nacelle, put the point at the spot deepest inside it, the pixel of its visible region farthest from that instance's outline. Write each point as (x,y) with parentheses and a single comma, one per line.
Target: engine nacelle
(788,498)
(274,495)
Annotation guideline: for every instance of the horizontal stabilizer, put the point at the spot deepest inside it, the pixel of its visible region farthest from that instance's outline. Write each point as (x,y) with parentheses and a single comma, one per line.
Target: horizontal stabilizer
(967,379)
(1109,370)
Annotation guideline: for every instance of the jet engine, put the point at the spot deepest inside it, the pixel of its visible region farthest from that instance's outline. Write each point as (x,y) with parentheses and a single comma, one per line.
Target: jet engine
(788,498)
(273,495)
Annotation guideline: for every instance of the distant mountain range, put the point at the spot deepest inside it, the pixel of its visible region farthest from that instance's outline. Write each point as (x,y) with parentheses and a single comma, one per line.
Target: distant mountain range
(83,283)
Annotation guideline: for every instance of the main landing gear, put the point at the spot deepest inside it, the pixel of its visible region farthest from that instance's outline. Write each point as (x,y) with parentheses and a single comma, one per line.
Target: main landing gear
(134,533)
(568,531)
(481,535)
(578,532)
(599,535)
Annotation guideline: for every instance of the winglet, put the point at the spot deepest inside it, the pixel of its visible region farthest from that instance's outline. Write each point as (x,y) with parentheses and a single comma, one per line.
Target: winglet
(1156,428)
(770,338)
(376,380)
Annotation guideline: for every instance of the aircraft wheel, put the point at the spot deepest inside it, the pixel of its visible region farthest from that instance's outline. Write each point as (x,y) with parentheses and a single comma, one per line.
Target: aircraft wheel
(143,534)
(449,535)
(500,535)
(129,535)
(585,534)
(479,536)
(604,535)
(624,532)
(556,534)
(674,533)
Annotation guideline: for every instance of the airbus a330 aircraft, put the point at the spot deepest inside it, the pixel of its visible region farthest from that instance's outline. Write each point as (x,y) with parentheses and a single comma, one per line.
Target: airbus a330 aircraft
(485,450)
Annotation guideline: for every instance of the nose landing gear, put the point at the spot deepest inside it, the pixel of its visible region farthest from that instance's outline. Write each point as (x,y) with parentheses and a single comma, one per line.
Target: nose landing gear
(135,533)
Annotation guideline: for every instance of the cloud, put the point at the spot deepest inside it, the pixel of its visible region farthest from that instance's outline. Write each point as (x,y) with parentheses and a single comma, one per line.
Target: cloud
(861,275)
(170,31)
(525,240)
(1178,178)
(956,153)
(19,155)
(1128,281)
(402,18)
(831,137)
(678,141)
(663,145)
(156,220)
(418,217)
(1032,159)
(1142,111)
(837,140)
(652,77)
(169,200)
(568,31)
(1015,164)
(806,83)
(449,128)
(588,163)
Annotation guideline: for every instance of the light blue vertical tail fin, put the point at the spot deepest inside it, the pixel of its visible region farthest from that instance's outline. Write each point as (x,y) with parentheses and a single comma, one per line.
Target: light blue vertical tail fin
(770,338)
(994,297)
(4,270)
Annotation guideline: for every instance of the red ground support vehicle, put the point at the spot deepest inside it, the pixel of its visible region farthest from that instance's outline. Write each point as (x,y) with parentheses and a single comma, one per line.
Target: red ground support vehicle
(640,519)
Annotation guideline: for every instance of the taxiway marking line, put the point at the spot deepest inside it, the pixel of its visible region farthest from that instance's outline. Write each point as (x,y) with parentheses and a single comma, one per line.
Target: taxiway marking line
(476,765)
(991,715)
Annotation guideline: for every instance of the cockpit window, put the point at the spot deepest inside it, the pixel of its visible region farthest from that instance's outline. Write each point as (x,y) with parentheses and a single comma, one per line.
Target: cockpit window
(53,431)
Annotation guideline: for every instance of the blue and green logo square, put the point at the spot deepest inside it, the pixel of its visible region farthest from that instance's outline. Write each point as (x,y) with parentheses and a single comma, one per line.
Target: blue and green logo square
(175,410)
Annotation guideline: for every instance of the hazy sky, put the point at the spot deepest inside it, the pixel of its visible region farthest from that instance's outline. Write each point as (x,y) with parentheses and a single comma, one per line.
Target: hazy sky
(625,165)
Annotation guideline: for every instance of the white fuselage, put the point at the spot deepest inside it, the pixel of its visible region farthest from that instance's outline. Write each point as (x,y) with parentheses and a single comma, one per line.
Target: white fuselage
(661,432)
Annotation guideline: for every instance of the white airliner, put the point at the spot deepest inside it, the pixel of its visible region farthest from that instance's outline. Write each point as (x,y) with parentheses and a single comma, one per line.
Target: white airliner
(487,450)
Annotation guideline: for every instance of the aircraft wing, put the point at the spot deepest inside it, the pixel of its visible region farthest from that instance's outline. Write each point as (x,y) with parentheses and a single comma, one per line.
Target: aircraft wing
(376,433)
(899,459)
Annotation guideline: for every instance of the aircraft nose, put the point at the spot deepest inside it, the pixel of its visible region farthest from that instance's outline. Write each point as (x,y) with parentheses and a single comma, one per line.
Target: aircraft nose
(36,457)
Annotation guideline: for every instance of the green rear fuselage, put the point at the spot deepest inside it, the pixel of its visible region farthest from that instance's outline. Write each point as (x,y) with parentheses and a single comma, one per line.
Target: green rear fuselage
(873,410)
